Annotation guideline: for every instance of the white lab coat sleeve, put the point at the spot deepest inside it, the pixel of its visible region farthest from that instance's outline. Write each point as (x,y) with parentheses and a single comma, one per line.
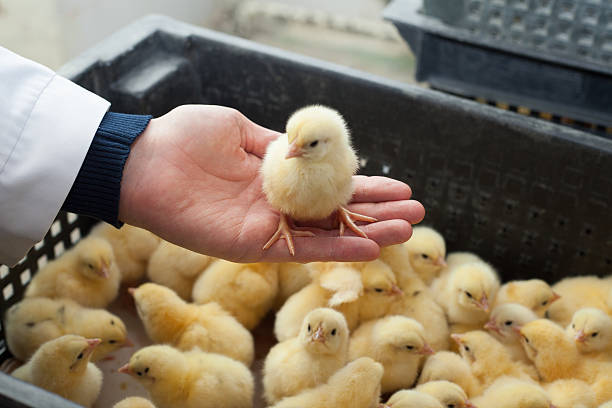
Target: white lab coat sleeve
(47,124)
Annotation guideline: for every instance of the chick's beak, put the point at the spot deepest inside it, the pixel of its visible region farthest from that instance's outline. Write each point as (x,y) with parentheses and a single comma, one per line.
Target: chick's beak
(125,369)
(295,150)
(440,261)
(468,404)
(319,335)
(131,291)
(427,350)
(484,303)
(457,338)
(91,345)
(491,325)
(396,291)
(555,296)
(104,272)
(128,343)
(517,330)
(580,336)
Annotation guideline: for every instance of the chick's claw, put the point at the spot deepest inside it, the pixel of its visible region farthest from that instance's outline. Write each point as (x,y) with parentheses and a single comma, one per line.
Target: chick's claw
(286,232)
(347,218)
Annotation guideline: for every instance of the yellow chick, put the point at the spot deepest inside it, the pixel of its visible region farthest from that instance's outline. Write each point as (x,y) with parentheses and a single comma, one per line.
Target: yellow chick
(132,246)
(176,267)
(168,319)
(191,379)
(412,399)
(380,290)
(467,293)
(505,319)
(396,256)
(398,343)
(571,394)
(426,251)
(535,294)
(356,385)
(489,359)
(308,360)
(577,293)
(455,259)
(591,329)
(34,321)
(309,174)
(292,277)
(62,366)
(87,274)
(247,291)
(448,393)
(606,405)
(134,402)
(449,366)
(514,393)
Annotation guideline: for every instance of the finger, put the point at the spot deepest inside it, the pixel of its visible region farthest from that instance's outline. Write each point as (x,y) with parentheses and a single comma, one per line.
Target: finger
(257,138)
(324,248)
(376,189)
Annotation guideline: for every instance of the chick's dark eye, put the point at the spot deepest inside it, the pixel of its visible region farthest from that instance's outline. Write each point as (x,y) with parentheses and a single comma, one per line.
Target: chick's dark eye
(544,303)
(468,294)
(379,290)
(30,324)
(333,332)
(573,326)
(309,327)
(450,406)
(112,341)
(424,256)
(508,322)
(113,322)
(410,347)
(526,339)
(466,348)
(139,373)
(594,334)
(313,144)
(80,356)
(90,266)
(147,370)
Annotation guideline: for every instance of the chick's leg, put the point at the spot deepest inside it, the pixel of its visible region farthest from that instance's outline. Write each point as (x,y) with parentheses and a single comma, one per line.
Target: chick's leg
(286,232)
(347,218)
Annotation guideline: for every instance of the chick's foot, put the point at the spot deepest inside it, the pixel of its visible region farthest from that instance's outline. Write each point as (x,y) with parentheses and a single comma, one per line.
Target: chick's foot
(286,232)
(347,218)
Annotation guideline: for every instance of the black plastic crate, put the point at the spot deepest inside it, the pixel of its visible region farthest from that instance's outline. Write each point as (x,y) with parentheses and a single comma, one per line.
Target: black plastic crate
(550,56)
(531,197)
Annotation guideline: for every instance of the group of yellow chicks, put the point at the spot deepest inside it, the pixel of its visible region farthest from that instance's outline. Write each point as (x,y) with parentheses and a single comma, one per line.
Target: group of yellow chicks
(427,328)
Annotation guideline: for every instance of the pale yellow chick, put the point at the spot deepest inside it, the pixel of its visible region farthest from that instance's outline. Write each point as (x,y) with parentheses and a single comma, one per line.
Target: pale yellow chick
(134,402)
(191,379)
(380,290)
(309,174)
(448,393)
(505,320)
(591,329)
(308,360)
(87,273)
(396,256)
(606,405)
(62,366)
(449,366)
(534,294)
(398,343)
(356,385)
(133,247)
(427,253)
(489,359)
(168,319)
(292,277)
(455,259)
(176,267)
(514,393)
(247,291)
(412,399)
(577,293)
(571,394)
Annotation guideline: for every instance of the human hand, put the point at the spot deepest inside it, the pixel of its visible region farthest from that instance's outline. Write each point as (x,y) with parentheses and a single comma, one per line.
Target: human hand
(193,178)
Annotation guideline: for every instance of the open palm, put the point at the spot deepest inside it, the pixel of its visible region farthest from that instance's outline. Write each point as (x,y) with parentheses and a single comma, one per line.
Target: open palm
(193,178)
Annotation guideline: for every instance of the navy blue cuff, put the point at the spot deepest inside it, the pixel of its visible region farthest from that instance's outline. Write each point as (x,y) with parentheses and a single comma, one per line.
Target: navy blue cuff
(96,189)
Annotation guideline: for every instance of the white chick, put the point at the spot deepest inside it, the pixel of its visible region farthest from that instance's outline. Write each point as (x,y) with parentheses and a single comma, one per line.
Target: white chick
(449,366)
(132,246)
(505,320)
(169,319)
(571,394)
(292,277)
(534,294)
(448,393)
(247,291)
(356,385)
(87,273)
(577,293)
(309,174)
(191,379)
(455,259)
(411,399)
(591,329)
(398,343)
(426,251)
(134,402)
(62,366)
(514,393)
(308,360)
(176,267)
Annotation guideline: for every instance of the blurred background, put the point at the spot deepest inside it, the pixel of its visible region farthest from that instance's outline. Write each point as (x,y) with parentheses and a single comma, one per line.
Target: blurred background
(348,32)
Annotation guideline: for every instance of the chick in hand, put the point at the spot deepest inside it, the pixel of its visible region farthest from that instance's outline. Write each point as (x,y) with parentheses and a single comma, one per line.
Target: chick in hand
(448,393)
(571,394)
(292,277)
(191,379)
(577,293)
(514,393)
(412,399)
(132,246)
(591,329)
(449,366)
(247,291)
(308,360)
(309,175)
(134,402)
(426,251)
(87,274)
(505,320)
(62,366)
(176,267)
(535,294)
(398,343)
(356,385)
(168,319)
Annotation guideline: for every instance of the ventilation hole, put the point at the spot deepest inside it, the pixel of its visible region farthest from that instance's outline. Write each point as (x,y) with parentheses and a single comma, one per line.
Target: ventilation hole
(534,214)
(8,291)
(561,222)
(75,235)
(56,228)
(39,245)
(72,218)
(386,169)
(581,253)
(59,249)
(608,261)
(42,261)
(587,231)
(4,271)
(25,276)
